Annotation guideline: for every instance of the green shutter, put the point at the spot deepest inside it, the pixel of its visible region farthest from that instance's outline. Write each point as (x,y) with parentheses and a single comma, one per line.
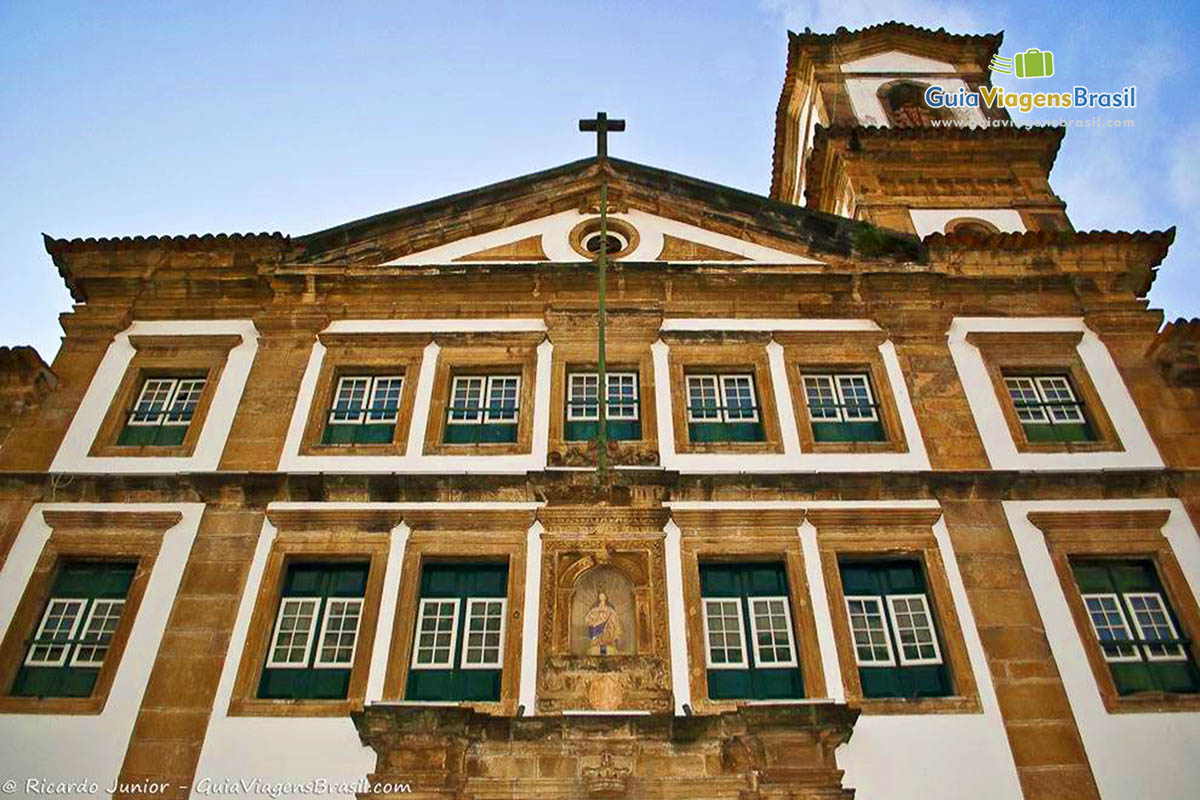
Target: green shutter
(480,433)
(380,433)
(83,580)
(755,683)
(884,578)
(720,432)
(459,581)
(1101,576)
(322,580)
(152,435)
(1060,432)
(618,430)
(861,431)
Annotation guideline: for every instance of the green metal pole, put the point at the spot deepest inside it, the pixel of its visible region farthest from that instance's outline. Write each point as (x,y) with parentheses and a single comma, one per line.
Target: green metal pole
(601,365)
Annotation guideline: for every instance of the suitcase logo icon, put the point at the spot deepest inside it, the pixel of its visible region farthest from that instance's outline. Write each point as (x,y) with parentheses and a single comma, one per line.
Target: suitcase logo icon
(1033,63)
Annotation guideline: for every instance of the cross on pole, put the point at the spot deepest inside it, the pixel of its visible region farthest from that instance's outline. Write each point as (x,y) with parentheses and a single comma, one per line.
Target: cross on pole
(601,125)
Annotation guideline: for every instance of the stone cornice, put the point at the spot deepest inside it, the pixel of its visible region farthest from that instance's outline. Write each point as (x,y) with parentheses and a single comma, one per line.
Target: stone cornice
(159,521)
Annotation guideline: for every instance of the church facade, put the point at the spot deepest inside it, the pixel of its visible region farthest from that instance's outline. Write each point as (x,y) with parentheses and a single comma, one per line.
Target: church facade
(902,493)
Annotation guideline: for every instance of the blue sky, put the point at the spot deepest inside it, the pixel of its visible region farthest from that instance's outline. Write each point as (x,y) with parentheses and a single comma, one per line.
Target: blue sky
(165,118)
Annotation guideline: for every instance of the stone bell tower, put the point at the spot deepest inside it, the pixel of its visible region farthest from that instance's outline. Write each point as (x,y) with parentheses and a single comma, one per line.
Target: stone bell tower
(854,136)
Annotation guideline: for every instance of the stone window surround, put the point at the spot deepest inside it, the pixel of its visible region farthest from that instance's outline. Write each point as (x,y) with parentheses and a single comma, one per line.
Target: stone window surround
(224,349)
(725,537)
(55,739)
(305,537)
(1125,534)
(908,534)
(91,536)
(366,354)
(423,424)
(1136,450)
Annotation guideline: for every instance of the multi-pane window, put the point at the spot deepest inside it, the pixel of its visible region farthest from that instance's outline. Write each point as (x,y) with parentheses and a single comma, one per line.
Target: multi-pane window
(75,631)
(458,640)
(315,637)
(621,408)
(892,629)
(365,410)
(842,407)
(1139,636)
(1048,408)
(162,412)
(483,409)
(749,640)
(723,408)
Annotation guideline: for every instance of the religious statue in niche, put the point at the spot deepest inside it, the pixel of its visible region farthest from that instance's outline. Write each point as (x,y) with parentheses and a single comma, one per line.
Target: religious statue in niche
(602,612)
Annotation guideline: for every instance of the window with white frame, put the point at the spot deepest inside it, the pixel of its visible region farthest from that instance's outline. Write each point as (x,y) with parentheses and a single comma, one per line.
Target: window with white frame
(1135,627)
(842,407)
(1048,408)
(749,640)
(483,409)
(621,411)
(162,412)
(75,632)
(723,408)
(484,645)
(892,629)
(437,634)
(365,410)
(314,641)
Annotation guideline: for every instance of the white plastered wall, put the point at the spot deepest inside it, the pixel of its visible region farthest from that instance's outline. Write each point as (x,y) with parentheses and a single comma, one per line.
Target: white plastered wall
(300,750)
(1131,754)
(791,459)
(1139,450)
(55,747)
(883,68)
(933,220)
(893,756)
(73,455)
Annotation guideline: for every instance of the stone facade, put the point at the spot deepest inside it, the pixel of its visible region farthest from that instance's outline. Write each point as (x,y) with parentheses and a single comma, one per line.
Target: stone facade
(607,682)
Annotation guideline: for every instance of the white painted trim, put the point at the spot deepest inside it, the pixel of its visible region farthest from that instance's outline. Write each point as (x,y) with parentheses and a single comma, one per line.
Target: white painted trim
(530,619)
(1179,654)
(94,745)
(76,661)
(877,601)
(1112,658)
(67,647)
(1140,451)
(785,324)
(590,712)
(681,687)
(388,602)
(1127,751)
(73,455)
(894,61)
(826,639)
(485,325)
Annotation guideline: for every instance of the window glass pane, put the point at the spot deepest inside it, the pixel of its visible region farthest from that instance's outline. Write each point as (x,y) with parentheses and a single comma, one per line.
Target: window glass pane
(872,645)
(466,398)
(350,399)
(1060,400)
(294,632)
(856,397)
(436,634)
(97,633)
(1026,400)
(702,398)
(622,395)
(1109,625)
(1154,624)
(156,393)
(59,623)
(772,628)
(385,399)
(913,623)
(183,404)
(739,398)
(483,646)
(822,402)
(583,400)
(502,398)
(723,629)
(339,632)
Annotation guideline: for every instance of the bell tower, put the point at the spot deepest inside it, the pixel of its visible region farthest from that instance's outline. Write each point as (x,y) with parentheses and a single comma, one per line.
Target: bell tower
(855,137)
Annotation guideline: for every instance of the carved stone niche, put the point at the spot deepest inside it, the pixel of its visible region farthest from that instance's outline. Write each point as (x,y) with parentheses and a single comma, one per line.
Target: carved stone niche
(753,753)
(604,640)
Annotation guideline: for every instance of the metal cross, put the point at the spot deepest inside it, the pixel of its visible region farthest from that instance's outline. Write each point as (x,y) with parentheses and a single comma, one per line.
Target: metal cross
(601,125)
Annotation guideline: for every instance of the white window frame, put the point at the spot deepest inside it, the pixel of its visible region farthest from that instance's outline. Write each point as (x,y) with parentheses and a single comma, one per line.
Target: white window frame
(722,410)
(76,661)
(745,662)
(1045,416)
(416,648)
(834,381)
(494,417)
(308,645)
(473,418)
(486,385)
(886,628)
(320,662)
(791,637)
(575,414)
(67,646)
(1180,654)
(905,661)
(160,417)
(499,662)
(1112,658)
(373,382)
